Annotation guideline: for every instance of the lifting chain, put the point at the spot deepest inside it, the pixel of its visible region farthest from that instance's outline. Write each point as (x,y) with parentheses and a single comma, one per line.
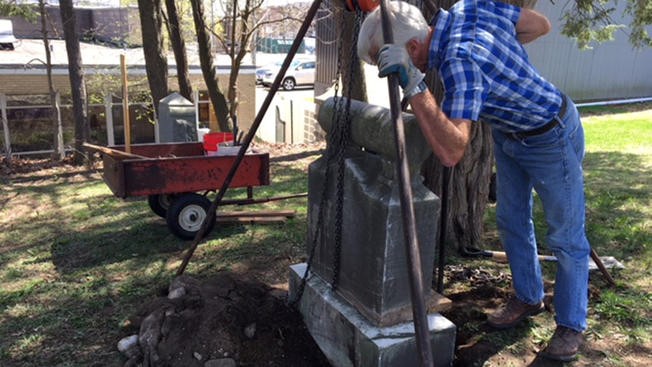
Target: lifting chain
(338,139)
(344,129)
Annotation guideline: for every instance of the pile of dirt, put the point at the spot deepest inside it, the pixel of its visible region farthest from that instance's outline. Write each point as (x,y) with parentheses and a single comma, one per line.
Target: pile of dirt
(221,321)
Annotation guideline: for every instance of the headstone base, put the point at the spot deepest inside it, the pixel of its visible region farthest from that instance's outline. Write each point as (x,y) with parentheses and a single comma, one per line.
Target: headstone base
(348,339)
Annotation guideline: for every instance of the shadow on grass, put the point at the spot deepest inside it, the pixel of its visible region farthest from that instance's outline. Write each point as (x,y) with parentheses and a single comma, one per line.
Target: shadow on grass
(618,197)
(140,234)
(90,258)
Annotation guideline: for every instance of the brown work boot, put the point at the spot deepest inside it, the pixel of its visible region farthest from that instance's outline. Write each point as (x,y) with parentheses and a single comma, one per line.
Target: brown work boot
(512,313)
(564,345)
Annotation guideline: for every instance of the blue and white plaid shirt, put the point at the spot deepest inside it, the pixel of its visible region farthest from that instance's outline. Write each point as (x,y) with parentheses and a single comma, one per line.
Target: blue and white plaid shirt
(485,70)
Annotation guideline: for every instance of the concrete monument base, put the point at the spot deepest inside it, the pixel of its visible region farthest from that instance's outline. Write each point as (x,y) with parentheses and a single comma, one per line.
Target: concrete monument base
(347,338)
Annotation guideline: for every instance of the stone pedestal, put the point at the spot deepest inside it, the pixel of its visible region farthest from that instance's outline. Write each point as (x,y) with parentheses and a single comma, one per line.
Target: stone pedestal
(367,321)
(348,339)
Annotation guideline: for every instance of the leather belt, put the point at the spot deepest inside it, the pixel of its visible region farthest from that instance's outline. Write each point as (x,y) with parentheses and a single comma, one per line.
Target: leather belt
(545,128)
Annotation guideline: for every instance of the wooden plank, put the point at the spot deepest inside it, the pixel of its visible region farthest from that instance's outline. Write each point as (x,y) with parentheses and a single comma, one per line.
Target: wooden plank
(438,303)
(125,103)
(269,213)
(114,152)
(252,220)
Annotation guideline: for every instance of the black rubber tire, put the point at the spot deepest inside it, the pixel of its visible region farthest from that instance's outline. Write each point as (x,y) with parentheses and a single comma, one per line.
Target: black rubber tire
(186,215)
(289,84)
(160,203)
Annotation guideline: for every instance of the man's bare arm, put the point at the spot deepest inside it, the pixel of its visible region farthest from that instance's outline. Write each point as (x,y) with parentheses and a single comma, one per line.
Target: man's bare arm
(531,25)
(447,138)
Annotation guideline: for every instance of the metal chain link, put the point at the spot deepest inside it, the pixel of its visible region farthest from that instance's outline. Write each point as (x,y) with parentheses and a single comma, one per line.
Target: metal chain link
(335,145)
(344,128)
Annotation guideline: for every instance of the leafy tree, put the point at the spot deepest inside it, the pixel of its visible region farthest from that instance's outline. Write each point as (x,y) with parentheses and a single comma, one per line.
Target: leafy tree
(9,8)
(592,20)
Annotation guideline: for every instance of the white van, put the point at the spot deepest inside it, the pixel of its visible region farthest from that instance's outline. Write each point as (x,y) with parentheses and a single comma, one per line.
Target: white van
(7,38)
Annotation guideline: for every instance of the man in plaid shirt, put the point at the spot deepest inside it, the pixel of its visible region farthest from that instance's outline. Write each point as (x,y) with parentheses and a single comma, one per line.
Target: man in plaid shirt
(477,49)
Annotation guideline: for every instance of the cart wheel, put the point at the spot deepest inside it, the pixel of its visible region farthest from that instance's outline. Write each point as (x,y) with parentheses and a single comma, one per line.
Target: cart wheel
(186,215)
(160,203)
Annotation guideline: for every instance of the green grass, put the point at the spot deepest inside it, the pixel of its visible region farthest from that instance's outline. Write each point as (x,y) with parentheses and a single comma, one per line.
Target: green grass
(76,262)
(618,186)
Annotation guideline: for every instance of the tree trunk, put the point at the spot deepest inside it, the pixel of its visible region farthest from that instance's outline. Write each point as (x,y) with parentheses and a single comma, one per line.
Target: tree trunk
(351,64)
(155,60)
(208,70)
(468,189)
(468,186)
(236,55)
(179,49)
(76,75)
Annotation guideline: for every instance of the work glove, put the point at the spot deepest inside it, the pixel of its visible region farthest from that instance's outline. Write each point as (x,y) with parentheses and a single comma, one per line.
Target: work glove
(395,59)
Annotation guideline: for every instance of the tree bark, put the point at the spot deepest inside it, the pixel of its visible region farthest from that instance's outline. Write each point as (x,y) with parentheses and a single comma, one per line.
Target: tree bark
(76,75)
(179,49)
(468,189)
(208,70)
(351,64)
(155,60)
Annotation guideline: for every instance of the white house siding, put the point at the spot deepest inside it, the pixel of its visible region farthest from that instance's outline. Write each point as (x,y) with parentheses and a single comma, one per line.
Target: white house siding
(611,70)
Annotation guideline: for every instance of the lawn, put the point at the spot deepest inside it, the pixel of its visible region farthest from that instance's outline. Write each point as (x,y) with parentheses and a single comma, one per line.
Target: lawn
(76,262)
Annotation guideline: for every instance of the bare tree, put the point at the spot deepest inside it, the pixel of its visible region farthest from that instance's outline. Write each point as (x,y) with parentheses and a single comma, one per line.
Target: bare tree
(179,49)
(151,21)
(76,75)
(242,20)
(207,66)
(58,150)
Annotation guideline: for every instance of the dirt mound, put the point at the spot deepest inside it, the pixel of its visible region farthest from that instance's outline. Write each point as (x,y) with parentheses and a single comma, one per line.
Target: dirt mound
(224,320)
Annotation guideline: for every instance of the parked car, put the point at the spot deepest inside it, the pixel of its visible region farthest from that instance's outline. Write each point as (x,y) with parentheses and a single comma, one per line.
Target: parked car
(7,38)
(300,72)
(261,71)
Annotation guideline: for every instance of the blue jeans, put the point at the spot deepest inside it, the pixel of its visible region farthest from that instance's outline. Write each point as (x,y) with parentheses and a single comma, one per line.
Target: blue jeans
(551,164)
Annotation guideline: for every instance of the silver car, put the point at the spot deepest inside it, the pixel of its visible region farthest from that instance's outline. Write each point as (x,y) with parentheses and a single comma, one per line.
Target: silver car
(300,72)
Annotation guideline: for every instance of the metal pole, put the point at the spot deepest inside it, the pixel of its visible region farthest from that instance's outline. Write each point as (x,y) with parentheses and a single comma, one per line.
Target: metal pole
(407,206)
(443,228)
(5,126)
(108,108)
(310,15)
(603,269)
(57,108)
(125,103)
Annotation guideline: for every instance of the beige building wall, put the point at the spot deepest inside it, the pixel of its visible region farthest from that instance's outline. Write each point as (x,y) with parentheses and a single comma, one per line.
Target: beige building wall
(19,81)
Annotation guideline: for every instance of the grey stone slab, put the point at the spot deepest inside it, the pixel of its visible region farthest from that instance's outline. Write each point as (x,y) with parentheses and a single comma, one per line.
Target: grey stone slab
(370,263)
(347,338)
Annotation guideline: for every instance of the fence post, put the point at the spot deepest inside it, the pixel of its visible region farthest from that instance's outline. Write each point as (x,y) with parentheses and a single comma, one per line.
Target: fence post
(195,101)
(108,109)
(61,150)
(5,126)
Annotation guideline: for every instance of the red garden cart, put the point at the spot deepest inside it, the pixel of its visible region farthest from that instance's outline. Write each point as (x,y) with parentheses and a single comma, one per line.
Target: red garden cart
(176,178)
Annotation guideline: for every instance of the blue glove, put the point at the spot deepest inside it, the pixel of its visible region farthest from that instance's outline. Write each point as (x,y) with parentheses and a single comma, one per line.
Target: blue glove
(395,59)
